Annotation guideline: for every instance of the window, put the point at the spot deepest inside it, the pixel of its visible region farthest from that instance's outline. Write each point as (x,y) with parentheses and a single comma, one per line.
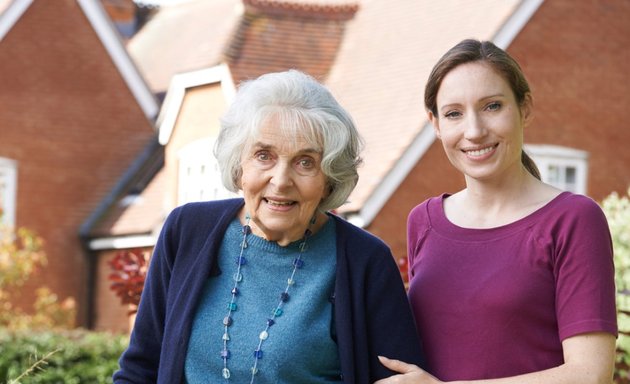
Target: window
(8,186)
(199,175)
(564,168)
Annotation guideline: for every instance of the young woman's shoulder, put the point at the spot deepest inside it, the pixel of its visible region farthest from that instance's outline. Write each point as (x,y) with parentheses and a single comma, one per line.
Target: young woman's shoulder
(428,207)
(575,208)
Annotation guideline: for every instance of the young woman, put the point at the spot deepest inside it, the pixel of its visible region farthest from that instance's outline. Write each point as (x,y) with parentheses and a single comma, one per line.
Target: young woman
(512,280)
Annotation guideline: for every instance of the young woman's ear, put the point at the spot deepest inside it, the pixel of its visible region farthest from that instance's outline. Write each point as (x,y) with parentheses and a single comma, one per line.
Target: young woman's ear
(436,124)
(527,109)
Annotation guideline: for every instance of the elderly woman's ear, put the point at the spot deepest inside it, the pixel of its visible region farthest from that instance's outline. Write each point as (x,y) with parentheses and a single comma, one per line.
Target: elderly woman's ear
(237,179)
(329,190)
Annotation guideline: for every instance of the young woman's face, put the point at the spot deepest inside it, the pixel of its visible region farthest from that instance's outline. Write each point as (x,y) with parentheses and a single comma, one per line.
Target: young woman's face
(479,122)
(282,183)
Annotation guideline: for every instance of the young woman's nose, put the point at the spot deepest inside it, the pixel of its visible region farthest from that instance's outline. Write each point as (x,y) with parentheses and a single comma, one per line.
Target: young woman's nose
(475,127)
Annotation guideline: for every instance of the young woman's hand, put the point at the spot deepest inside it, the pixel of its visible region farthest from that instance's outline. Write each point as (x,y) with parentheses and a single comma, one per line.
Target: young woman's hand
(409,373)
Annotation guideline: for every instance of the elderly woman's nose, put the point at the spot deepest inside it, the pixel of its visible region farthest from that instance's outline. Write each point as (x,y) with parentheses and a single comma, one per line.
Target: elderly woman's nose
(281,173)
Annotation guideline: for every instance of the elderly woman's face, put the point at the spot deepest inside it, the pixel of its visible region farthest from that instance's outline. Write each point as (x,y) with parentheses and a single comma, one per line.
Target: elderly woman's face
(282,183)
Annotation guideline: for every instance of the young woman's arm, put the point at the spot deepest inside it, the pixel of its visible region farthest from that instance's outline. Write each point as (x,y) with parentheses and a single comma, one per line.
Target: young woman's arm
(589,359)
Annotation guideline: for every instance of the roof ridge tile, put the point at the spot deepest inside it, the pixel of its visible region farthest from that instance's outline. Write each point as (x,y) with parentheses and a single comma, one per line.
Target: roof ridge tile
(343,10)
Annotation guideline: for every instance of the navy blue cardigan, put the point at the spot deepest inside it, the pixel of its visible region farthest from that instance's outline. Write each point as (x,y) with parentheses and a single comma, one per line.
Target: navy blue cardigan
(371,311)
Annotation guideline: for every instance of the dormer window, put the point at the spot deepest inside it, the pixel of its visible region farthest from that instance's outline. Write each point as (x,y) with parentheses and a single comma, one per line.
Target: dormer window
(8,187)
(199,177)
(564,168)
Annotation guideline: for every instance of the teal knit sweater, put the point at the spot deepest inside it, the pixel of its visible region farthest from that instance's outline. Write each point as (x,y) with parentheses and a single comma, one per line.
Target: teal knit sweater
(299,348)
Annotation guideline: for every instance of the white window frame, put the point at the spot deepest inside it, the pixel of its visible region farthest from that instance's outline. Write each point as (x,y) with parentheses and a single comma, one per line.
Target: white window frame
(8,190)
(199,177)
(547,156)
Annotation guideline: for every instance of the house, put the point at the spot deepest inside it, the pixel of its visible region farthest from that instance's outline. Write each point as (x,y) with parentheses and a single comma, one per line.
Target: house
(75,117)
(375,58)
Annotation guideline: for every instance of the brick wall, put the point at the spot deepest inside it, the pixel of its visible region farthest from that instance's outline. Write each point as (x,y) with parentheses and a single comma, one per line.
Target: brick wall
(73,126)
(109,313)
(575,55)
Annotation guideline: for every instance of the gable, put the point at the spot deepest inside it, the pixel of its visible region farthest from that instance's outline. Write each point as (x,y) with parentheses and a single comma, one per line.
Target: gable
(103,27)
(180,84)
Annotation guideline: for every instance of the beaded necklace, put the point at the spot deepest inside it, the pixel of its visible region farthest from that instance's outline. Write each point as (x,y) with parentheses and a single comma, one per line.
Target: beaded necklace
(278,311)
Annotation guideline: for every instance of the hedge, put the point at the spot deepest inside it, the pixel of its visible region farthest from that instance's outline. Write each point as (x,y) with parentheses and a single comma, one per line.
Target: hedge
(81,356)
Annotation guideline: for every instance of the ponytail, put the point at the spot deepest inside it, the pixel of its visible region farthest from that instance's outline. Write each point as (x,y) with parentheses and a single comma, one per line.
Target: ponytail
(529,164)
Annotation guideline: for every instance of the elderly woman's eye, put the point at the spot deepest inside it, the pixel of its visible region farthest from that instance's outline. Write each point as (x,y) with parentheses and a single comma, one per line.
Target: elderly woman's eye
(262,156)
(306,163)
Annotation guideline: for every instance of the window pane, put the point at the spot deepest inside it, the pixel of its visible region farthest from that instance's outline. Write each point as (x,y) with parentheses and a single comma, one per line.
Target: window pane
(570,175)
(553,174)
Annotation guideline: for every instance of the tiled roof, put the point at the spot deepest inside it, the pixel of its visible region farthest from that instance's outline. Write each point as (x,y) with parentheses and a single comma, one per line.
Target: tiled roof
(279,35)
(136,214)
(183,37)
(328,9)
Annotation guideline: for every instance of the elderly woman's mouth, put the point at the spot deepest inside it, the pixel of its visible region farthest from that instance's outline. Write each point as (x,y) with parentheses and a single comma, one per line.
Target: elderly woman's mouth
(278,203)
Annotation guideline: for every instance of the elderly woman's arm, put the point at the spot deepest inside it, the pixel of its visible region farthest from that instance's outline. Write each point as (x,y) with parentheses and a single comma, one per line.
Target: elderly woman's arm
(589,359)
(140,361)
(390,323)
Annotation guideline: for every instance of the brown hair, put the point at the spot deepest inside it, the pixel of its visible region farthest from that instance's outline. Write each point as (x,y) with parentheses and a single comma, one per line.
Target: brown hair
(474,50)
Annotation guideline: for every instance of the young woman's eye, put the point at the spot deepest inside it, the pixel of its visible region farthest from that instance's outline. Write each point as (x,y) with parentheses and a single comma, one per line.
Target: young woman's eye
(452,114)
(494,106)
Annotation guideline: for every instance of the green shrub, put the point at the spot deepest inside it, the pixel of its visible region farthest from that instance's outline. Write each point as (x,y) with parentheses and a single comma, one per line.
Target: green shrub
(81,356)
(617,209)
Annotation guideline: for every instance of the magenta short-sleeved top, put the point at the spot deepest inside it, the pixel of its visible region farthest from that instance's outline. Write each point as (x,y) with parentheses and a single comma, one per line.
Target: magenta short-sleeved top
(498,302)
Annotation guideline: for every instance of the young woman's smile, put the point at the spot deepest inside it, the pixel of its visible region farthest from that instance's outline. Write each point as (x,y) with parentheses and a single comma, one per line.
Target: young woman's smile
(479,121)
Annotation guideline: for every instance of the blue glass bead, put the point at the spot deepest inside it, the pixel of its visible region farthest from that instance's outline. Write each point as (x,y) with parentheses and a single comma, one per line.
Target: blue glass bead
(226,337)
(237,277)
(299,263)
(258,354)
(226,373)
(232,306)
(308,233)
(263,335)
(235,291)
(225,354)
(284,297)
(290,281)
(247,229)
(244,244)
(241,260)
(278,312)
(227,321)
(270,322)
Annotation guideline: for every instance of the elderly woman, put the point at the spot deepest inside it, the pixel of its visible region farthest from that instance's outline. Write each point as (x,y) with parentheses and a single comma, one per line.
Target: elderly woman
(271,287)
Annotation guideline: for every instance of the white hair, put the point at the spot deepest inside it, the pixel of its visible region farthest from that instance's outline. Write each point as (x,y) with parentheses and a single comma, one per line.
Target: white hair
(303,107)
